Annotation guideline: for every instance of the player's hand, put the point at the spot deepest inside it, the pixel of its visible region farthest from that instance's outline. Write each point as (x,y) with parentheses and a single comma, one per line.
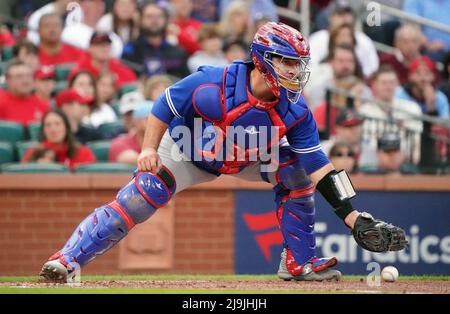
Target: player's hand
(148,160)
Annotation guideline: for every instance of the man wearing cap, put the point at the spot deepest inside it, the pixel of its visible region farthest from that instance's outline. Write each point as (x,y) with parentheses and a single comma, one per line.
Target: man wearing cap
(128,103)
(126,148)
(75,108)
(98,59)
(44,82)
(17,101)
(421,90)
(347,129)
(390,158)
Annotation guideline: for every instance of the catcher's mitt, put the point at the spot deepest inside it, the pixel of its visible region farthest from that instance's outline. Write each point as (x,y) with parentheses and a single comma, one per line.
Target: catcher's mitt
(378,236)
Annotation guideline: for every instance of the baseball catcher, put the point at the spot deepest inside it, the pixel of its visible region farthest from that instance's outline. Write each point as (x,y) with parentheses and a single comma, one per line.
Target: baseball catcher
(256,96)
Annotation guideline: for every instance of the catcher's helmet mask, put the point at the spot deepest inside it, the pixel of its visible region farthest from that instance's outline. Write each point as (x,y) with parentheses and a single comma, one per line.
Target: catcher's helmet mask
(280,40)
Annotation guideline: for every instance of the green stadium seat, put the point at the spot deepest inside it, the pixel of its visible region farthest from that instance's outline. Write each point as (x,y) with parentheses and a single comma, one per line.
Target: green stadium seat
(11,132)
(6,152)
(62,71)
(116,108)
(105,167)
(108,129)
(34,131)
(126,88)
(100,149)
(34,168)
(7,53)
(59,86)
(2,67)
(22,147)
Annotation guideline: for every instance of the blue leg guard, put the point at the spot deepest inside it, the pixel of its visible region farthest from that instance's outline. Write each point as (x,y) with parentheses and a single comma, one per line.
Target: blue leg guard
(296,215)
(110,223)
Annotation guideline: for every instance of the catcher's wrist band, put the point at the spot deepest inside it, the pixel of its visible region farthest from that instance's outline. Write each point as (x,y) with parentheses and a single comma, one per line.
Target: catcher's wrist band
(337,189)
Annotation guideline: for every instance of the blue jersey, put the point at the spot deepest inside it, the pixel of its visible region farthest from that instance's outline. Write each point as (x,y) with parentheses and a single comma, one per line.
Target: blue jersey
(221,98)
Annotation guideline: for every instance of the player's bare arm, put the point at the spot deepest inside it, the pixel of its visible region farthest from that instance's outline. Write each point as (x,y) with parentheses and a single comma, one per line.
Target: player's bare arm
(148,159)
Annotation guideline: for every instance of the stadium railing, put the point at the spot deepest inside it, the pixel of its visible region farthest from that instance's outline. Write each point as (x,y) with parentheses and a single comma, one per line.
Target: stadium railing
(432,145)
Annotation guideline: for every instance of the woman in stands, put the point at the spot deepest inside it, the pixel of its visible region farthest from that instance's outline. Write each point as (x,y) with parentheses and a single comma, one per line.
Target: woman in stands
(56,135)
(101,111)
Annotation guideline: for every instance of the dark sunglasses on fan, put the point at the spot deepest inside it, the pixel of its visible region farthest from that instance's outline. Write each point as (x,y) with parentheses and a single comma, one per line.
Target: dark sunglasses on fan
(341,154)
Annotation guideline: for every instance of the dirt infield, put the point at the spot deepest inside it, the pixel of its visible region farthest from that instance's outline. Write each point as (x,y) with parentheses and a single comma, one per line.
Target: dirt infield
(242,286)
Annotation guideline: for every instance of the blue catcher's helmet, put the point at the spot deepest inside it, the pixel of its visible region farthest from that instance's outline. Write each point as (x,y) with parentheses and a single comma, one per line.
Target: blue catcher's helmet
(290,72)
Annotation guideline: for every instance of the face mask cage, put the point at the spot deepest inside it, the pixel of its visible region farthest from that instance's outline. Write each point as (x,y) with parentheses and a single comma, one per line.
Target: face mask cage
(292,74)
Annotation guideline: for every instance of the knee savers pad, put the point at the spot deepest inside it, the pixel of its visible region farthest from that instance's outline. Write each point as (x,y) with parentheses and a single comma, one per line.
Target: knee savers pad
(147,192)
(291,175)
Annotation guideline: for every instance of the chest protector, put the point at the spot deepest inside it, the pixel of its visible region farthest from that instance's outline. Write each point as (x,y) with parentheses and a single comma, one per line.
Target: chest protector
(237,127)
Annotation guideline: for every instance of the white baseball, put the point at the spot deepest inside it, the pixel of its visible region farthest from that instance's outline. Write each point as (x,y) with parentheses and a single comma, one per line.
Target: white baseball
(389,274)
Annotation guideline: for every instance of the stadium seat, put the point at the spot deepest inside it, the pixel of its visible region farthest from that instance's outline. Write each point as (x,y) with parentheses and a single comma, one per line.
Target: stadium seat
(22,147)
(11,132)
(116,108)
(6,152)
(2,67)
(7,53)
(59,86)
(62,71)
(105,167)
(34,130)
(34,168)
(100,149)
(111,129)
(126,88)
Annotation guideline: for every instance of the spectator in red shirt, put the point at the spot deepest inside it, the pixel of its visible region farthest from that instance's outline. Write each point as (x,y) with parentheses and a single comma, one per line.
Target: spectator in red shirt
(98,59)
(187,29)
(6,38)
(44,82)
(56,136)
(52,51)
(127,147)
(17,102)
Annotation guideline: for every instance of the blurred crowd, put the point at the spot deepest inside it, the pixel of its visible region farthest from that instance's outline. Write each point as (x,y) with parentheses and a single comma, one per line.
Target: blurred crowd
(88,71)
